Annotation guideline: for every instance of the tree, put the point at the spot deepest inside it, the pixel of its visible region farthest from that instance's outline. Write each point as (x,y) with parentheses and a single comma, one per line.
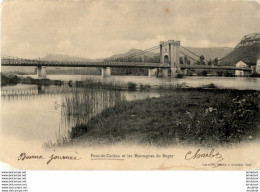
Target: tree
(210,62)
(215,62)
(186,60)
(181,60)
(202,58)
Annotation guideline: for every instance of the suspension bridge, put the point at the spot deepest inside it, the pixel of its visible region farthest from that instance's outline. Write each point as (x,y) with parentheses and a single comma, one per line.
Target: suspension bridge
(167,65)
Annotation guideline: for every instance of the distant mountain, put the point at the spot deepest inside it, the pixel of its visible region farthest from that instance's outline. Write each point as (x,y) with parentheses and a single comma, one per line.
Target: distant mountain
(208,53)
(247,50)
(62,57)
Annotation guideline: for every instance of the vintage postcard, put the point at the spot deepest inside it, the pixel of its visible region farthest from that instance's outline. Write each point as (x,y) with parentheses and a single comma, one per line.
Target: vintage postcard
(130,85)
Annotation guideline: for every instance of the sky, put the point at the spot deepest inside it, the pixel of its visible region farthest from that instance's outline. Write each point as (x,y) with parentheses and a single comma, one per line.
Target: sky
(98,29)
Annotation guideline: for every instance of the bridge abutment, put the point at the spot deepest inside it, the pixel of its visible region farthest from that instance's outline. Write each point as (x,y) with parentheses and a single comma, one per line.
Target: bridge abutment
(152,72)
(185,72)
(163,72)
(105,71)
(174,72)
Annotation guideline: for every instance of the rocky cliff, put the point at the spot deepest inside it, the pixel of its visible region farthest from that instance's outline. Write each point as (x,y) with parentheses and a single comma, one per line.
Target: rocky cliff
(247,50)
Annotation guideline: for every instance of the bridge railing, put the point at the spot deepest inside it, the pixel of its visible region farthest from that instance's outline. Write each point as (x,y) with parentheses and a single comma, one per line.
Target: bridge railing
(27,62)
(12,61)
(215,67)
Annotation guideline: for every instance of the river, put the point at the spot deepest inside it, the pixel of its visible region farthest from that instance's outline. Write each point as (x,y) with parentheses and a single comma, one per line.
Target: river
(47,113)
(195,81)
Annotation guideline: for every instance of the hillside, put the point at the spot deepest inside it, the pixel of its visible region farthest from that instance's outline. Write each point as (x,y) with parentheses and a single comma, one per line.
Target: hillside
(209,53)
(133,51)
(247,50)
(62,57)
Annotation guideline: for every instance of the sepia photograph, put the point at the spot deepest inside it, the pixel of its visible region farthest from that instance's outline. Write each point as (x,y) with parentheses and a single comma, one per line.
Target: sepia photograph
(130,85)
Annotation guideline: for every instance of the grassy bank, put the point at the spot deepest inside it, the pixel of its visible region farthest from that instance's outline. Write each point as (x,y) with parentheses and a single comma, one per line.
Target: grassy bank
(189,116)
(45,81)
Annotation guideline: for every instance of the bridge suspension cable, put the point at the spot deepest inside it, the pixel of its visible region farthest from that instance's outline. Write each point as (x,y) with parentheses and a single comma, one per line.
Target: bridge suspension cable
(141,52)
(157,47)
(190,51)
(188,56)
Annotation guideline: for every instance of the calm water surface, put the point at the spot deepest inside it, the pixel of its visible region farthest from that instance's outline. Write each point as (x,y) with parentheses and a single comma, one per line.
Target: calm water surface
(227,82)
(48,113)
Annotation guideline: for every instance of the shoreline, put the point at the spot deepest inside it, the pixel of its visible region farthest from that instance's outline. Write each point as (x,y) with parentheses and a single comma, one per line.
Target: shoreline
(15,79)
(116,84)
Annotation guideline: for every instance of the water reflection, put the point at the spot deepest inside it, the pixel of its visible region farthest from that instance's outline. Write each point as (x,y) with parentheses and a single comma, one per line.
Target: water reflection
(28,90)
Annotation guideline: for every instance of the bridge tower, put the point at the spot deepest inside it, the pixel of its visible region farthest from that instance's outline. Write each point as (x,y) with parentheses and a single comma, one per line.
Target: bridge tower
(169,54)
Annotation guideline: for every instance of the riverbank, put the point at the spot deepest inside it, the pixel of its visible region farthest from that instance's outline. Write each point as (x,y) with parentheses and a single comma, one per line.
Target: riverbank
(9,79)
(205,117)
(14,79)
(151,83)
(90,83)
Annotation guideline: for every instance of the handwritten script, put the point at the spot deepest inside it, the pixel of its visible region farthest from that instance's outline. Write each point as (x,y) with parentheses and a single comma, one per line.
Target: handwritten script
(24,156)
(211,155)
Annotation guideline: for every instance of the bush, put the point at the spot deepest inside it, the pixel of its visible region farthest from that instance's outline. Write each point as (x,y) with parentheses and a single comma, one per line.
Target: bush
(210,86)
(9,79)
(179,75)
(131,86)
(255,75)
(219,73)
(144,87)
(202,73)
(190,73)
(77,131)
(228,74)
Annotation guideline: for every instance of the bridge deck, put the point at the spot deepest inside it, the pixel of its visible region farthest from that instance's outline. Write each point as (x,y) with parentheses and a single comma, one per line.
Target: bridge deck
(81,64)
(26,62)
(209,67)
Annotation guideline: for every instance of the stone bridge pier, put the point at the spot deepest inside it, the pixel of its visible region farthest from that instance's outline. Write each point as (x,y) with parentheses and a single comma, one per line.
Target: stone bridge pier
(105,71)
(41,71)
(152,72)
(164,72)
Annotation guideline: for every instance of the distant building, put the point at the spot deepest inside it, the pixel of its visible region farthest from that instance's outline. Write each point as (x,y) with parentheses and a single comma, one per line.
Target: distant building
(241,73)
(257,68)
